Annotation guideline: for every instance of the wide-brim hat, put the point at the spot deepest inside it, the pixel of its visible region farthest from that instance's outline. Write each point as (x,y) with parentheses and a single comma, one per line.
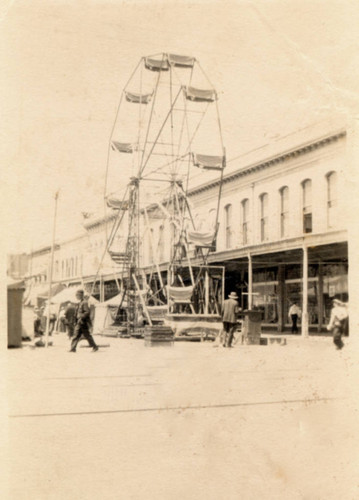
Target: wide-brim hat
(233,295)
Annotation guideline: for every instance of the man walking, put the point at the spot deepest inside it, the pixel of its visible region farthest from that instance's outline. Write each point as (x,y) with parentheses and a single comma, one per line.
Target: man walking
(338,321)
(229,318)
(294,314)
(83,323)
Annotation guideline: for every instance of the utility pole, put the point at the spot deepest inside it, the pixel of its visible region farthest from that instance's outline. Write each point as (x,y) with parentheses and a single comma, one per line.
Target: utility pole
(51,270)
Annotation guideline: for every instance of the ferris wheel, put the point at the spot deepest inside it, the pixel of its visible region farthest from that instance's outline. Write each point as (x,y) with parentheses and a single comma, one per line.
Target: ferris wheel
(166,139)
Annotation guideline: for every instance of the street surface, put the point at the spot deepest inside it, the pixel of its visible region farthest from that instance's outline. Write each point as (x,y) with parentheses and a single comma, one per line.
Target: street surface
(184,422)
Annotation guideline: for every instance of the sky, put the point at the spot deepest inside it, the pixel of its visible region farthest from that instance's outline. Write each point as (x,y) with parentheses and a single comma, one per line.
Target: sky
(277,66)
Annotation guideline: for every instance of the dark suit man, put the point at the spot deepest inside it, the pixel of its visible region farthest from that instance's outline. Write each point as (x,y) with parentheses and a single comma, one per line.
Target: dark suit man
(83,323)
(229,318)
(70,319)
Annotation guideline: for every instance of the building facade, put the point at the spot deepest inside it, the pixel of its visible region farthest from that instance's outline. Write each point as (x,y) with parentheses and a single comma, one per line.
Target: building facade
(282,236)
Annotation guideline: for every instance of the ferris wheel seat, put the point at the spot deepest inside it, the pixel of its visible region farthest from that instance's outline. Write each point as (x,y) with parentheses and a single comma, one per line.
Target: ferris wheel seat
(181,61)
(208,162)
(137,97)
(200,95)
(123,147)
(156,64)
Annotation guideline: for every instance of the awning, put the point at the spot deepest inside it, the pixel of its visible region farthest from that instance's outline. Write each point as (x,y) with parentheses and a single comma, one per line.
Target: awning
(137,97)
(181,61)
(208,162)
(43,291)
(15,284)
(199,95)
(69,295)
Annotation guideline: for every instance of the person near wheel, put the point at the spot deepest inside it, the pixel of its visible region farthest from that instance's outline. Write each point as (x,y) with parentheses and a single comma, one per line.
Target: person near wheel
(229,318)
(83,323)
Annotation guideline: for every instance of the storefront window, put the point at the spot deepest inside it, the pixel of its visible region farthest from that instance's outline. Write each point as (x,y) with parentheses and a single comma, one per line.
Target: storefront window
(265,299)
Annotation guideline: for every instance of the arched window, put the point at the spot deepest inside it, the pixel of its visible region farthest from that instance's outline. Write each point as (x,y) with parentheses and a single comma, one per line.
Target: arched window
(212,218)
(263,199)
(307,206)
(245,221)
(284,211)
(228,225)
(332,197)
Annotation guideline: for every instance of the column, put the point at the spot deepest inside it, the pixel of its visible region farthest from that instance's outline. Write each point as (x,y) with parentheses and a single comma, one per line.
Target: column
(320,297)
(250,282)
(281,297)
(305,293)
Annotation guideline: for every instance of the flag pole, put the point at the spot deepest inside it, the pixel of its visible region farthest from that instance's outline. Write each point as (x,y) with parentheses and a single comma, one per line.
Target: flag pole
(50,272)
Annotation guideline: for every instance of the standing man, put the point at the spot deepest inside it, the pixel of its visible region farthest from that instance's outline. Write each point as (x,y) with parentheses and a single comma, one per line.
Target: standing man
(337,322)
(83,323)
(294,314)
(229,318)
(70,319)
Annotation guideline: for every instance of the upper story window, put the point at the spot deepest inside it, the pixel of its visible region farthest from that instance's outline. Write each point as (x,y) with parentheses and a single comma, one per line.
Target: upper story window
(245,221)
(332,197)
(213,225)
(212,218)
(228,225)
(263,200)
(284,211)
(307,206)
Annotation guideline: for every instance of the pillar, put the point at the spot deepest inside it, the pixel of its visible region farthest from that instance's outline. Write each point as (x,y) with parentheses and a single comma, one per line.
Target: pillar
(281,297)
(250,282)
(320,297)
(305,293)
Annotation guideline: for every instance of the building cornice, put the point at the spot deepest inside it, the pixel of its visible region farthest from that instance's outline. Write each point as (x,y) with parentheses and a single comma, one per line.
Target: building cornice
(271,161)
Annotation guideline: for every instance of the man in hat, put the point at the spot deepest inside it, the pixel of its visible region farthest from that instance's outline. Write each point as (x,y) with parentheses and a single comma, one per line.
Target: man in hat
(83,323)
(337,322)
(294,314)
(229,318)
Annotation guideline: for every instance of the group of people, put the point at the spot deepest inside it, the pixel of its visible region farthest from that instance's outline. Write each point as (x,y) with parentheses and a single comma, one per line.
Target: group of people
(40,321)
(75,317)
(338,323)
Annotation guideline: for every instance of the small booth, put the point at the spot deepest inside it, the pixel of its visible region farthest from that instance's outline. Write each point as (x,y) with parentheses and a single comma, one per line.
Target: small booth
(15,293)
